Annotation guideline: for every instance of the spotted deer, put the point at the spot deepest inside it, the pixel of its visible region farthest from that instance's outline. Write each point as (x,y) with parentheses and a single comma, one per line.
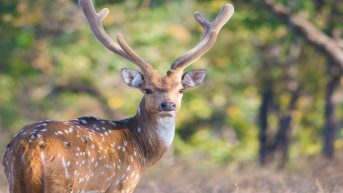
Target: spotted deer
(95,155)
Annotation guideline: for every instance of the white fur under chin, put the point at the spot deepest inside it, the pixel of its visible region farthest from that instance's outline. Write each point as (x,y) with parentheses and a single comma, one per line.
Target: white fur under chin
(166,129)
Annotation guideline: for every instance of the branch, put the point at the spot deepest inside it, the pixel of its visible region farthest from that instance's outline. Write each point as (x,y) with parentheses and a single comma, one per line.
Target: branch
(307,30)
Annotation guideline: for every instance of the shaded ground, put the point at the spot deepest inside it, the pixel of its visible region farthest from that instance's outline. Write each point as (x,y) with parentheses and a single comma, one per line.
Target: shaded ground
(316,176)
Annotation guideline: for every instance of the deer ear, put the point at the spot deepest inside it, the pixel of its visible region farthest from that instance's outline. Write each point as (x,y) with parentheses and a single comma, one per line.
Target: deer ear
(193,78)
(132,78)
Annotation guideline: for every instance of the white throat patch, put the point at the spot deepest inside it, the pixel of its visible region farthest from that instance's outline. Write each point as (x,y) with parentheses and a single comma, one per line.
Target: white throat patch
(166,129)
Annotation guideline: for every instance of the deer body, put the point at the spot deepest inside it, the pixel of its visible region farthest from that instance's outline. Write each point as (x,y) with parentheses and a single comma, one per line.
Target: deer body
(102,156)
(87,154)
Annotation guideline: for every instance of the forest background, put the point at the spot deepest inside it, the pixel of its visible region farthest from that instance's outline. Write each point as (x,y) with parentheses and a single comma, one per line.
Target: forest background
(270,110)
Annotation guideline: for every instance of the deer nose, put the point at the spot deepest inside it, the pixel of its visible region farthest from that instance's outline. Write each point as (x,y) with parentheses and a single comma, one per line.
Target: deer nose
(168,106)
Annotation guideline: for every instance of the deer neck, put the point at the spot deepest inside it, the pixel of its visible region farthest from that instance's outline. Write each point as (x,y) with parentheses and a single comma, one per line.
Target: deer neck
(153,133)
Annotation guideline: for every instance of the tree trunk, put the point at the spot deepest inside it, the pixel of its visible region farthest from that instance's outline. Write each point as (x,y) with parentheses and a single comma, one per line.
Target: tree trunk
(266,99)
(283,135)
(330,119)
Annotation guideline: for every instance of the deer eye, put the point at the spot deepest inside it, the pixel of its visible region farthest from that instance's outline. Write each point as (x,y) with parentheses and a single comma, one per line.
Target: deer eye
(181,91)
(147,91)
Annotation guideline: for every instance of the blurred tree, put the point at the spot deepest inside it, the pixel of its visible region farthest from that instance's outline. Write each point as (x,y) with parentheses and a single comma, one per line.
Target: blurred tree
(279,142)
(332,50)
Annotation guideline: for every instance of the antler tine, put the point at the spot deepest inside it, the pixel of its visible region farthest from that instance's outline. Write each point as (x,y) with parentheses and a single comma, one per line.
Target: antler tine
(132,54)
(123,49)
(209,37)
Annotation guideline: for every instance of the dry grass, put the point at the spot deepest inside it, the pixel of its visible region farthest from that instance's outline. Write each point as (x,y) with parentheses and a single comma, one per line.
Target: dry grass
(316,176)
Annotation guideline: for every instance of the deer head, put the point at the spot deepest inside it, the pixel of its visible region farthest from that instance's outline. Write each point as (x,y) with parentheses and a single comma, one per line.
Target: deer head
(162,93)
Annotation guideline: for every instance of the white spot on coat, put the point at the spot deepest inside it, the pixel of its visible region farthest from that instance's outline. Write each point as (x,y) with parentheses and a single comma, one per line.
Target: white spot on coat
(45,180)
(83,121)
(65,166)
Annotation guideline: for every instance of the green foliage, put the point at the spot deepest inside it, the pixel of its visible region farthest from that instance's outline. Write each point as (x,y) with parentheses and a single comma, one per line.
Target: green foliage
(209,147)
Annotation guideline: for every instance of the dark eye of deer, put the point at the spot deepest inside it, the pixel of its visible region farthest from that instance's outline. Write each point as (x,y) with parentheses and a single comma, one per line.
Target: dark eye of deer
(147,91)
(181,91)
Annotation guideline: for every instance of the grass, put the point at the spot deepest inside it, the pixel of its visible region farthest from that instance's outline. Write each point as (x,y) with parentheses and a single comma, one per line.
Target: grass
(318,176)
(306,176)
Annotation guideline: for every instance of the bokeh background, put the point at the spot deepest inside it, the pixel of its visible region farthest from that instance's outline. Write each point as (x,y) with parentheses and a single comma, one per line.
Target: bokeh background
(269,117)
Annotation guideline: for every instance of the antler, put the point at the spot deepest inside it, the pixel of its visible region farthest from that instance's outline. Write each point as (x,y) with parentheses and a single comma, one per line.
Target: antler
(209,37)
(120,47)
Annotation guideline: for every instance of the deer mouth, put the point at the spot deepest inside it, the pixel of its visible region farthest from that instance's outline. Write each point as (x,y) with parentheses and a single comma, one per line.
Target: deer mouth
(166,113)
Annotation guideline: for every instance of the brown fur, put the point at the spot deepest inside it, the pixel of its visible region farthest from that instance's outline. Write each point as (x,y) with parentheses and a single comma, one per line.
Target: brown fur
(80,155)
(165,88)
